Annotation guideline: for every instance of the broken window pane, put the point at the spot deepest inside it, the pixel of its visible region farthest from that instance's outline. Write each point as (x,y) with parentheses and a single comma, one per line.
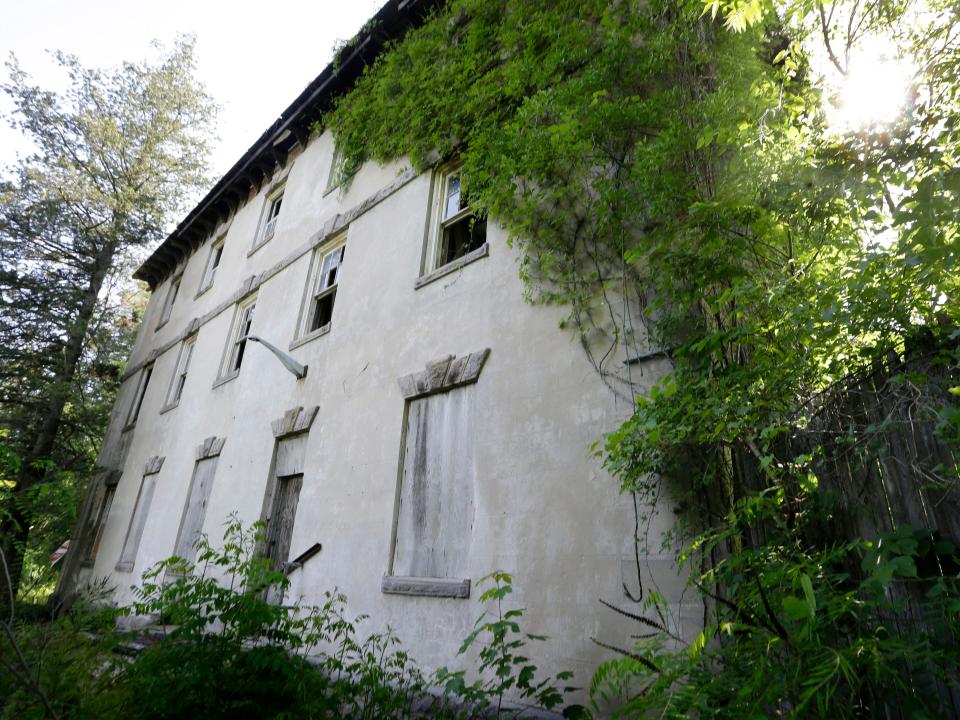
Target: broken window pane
(243,330)
(321,310)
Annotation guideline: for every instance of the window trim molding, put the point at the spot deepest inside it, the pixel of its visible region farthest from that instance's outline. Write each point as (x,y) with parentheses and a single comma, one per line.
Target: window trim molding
(452,266)
(443,375)
(458,588)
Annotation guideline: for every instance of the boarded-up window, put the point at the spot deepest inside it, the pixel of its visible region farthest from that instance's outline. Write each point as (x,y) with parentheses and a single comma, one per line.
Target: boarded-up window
(280,503)
(280,524)
(435,517)
(196,508)
(138,521)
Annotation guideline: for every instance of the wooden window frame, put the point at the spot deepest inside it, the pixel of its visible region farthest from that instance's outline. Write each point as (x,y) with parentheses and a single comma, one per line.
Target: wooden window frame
(318,288)
(172,292)
(136,407)
(237,340)
(267,228)
(180,372)
(214,258)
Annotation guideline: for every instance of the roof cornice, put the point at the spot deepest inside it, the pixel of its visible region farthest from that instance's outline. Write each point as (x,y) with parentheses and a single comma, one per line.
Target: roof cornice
(291,128)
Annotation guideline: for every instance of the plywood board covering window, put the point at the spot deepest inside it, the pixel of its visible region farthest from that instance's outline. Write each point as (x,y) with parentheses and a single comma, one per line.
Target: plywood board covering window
(435,516)
(195,511)
(138,521)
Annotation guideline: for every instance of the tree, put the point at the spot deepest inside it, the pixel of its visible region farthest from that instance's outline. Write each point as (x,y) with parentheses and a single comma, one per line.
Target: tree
(116,159)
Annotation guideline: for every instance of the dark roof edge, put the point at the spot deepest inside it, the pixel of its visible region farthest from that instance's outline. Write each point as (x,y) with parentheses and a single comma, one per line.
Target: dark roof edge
(270,150)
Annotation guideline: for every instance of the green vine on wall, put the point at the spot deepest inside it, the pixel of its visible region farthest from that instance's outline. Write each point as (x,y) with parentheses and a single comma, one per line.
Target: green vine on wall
(677,186)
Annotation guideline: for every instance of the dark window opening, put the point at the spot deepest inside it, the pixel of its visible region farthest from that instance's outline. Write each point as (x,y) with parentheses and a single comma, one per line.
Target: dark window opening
(141,393)
(462,237)
(461,231)
(323,310)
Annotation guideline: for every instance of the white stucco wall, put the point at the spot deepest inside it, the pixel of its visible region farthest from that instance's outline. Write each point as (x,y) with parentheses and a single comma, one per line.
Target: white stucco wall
(544,509)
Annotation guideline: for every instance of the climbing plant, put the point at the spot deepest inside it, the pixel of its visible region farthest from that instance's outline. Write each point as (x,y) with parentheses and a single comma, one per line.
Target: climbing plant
(671,173)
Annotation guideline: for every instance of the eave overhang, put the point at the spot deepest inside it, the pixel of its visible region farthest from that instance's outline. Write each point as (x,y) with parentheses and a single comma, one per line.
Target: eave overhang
(293,127)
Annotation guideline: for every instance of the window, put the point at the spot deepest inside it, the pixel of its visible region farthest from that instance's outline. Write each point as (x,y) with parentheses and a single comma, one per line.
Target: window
(180,373)
(213,262)
(142,384)
(339,174)
(269,225)
(322,289)
(170,300)
(195,511)
(433,526)
(237,340)
(459,230)
(335,163)
(138,519)
(99,521)
(436,486)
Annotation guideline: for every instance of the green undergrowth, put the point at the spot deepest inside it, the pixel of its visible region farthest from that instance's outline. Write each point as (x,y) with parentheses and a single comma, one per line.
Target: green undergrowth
(668,172)
(220,649)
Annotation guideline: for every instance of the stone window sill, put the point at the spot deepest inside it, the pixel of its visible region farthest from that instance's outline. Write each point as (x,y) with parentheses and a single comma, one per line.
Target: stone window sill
(259,245)
(313,335)
(451,267)
(426,587)
(225,379)
(124,567)
(168,408)
(203,290)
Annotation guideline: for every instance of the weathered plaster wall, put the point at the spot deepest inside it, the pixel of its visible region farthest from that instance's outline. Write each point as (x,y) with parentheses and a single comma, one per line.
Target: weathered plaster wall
(541,506)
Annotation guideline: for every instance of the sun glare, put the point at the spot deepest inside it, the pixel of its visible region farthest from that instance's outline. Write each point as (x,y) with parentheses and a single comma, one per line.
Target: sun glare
(874,92)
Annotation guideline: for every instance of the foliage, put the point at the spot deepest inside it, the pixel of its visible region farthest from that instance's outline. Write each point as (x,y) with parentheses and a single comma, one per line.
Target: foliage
(114,160)
(505,672)
(224,649)
(841,631)
(680,188)
(59,668)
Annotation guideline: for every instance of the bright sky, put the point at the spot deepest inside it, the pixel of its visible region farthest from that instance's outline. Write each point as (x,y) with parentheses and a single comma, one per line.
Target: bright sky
(254,57)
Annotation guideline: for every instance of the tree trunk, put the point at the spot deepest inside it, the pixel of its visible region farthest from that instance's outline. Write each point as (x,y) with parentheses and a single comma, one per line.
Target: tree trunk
(16,520)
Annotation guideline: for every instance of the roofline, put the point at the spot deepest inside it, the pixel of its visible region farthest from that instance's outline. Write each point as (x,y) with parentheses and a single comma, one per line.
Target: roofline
(292,127)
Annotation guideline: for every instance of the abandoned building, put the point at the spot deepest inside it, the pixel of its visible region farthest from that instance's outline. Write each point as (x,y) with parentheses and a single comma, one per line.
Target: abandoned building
(357,366)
